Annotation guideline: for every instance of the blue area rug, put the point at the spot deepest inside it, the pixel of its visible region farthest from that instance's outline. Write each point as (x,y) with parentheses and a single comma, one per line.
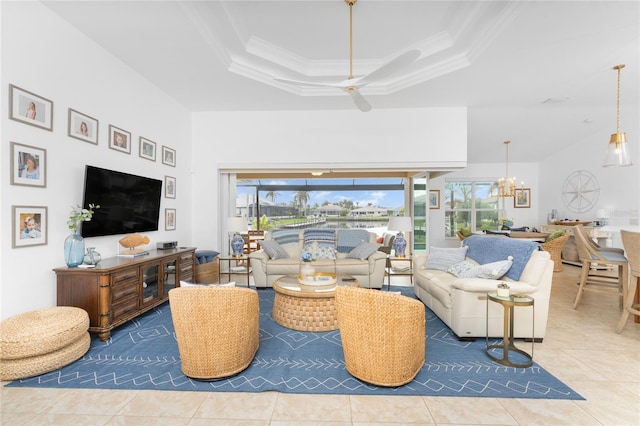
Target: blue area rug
(143,354)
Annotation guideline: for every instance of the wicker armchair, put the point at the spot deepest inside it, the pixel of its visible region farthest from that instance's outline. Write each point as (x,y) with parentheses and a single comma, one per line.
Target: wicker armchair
(554,247)
(383,335)
(216,329)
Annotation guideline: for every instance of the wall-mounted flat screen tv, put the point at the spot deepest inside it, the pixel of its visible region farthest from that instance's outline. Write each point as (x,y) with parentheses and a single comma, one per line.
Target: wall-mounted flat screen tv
(128,203)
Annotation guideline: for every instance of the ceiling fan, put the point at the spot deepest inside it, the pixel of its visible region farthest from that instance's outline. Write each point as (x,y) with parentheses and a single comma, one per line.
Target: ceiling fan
(352,85)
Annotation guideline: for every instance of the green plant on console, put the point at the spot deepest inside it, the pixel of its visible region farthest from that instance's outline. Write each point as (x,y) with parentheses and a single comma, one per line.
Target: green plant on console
(78,214)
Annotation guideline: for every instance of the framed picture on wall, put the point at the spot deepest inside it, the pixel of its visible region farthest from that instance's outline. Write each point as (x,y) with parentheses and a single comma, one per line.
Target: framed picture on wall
(169,219)
(83,127)
(169,187)
(28,165)
(29,225)
(168,156)
(119,139)
(434,199)
(147,149)
(522,198)
(30,108)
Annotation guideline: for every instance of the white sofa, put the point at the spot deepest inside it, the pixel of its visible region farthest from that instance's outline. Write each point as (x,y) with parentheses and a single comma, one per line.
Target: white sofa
(369,272)
(461,303)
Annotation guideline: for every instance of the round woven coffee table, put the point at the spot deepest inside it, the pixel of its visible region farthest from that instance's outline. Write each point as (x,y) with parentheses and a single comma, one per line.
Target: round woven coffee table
(303,310)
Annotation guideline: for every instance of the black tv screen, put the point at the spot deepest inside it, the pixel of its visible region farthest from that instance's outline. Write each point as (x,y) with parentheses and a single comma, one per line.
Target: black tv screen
(128,203)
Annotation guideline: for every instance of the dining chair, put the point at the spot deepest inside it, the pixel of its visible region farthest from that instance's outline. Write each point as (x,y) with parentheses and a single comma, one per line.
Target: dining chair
(592,259)
(631,244)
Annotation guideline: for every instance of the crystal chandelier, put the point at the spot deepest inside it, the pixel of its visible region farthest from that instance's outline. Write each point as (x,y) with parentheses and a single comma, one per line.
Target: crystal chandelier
(506,185)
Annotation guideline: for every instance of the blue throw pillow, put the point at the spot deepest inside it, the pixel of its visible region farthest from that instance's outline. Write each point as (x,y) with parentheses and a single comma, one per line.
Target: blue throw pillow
(321,252)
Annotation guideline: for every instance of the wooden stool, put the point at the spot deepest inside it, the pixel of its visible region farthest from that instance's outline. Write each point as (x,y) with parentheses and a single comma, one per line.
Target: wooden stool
(36,342)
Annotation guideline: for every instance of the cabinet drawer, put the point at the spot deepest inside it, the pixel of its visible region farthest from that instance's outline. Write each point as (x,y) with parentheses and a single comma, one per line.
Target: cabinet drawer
(124,305)
(123,284)
(186,260)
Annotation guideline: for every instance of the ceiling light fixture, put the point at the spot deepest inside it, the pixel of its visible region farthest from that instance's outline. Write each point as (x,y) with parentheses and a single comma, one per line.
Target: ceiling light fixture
(317,173)
(617,154)
(506,185)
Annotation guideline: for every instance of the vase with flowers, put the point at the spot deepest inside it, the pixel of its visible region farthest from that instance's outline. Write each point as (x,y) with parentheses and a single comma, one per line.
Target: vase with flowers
(305,268)
(74,243)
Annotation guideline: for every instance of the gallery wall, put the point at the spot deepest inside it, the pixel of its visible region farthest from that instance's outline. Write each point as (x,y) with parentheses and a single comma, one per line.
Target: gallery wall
(46,56)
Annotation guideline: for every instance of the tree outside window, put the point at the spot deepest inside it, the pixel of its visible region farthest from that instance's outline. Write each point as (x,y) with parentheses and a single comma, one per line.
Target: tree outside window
(469,204)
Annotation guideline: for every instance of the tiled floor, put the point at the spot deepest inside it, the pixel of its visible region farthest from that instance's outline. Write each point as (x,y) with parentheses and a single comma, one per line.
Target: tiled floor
(580,348)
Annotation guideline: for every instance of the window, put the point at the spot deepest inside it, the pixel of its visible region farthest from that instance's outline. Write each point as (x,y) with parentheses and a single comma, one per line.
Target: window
(469,204)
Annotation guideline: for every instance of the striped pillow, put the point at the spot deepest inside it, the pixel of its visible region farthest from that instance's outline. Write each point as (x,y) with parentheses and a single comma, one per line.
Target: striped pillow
(348,239)
(324,237)
(286,237)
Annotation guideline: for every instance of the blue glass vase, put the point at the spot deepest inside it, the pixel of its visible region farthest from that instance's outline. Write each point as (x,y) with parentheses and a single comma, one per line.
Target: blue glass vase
(74,250)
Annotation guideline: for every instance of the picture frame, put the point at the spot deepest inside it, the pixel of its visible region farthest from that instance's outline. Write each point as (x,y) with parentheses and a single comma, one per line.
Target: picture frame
(83,127)
(434,198)
(29,226)
(522,199)
(169,187)
(28,165)
(169,219)
(119,139)
(29,108)
(147,149)
(168,156)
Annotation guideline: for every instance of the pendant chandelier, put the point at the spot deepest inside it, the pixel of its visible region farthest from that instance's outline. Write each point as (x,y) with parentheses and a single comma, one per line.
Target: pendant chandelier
(617,154)
(507,185)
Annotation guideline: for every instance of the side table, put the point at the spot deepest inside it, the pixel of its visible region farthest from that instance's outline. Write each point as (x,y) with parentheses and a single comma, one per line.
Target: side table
(403,271)
(242,266)
(507,345)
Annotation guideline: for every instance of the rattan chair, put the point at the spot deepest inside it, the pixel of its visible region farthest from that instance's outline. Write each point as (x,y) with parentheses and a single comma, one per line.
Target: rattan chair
(383,335)
(554,247)
(631,243)
(216,329)
(592,259)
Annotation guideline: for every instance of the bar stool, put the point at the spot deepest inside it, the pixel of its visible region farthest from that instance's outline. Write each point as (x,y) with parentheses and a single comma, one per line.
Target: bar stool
(592,257)
(631,244)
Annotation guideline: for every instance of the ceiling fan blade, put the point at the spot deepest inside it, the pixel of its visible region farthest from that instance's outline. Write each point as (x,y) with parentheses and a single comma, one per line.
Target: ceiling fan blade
(308,83)
(390,68)
(358,99)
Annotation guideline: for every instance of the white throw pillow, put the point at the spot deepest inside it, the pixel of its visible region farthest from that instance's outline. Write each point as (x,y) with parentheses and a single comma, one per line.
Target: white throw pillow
(493,271)
(444,258)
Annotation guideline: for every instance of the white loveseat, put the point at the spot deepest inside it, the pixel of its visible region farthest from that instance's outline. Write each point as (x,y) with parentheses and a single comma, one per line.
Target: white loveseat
(369,271)
(461,303)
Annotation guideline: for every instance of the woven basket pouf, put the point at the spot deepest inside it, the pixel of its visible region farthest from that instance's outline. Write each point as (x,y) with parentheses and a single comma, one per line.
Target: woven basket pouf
(36,342)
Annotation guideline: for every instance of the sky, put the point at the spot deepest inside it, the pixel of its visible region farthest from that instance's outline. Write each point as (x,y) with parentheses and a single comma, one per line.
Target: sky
(378,198)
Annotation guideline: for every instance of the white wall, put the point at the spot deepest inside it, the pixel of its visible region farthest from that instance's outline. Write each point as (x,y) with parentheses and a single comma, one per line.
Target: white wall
(43,54)
(340,139)
(619,187)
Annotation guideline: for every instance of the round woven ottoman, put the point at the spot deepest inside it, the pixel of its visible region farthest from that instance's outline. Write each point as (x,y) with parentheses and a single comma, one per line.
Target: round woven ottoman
(36,342)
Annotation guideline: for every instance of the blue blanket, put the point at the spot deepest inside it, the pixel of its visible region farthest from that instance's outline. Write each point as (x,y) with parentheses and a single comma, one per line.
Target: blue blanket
(487,249)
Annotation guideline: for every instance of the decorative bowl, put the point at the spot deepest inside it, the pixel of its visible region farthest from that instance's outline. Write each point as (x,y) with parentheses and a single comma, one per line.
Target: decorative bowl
(317,281)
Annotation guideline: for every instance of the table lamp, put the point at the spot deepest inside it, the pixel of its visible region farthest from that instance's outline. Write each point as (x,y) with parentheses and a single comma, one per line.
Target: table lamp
(237,225)
(401,224)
